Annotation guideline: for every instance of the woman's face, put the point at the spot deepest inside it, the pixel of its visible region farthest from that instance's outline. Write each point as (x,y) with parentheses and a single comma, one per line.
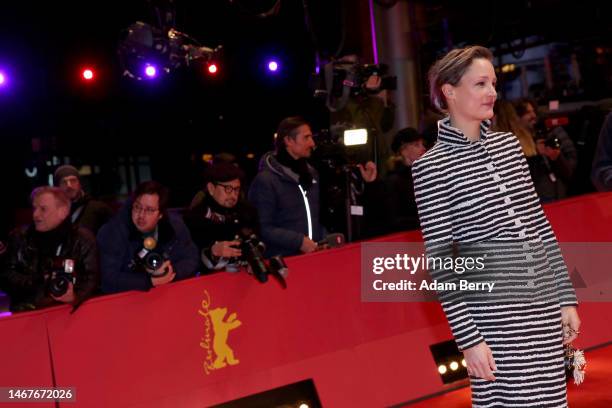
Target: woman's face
(474,96)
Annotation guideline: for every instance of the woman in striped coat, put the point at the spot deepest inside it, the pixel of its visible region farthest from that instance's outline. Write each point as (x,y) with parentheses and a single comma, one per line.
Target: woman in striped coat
(474,191)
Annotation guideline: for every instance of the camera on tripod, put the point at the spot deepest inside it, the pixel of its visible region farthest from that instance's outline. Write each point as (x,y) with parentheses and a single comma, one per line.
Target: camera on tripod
(60,272)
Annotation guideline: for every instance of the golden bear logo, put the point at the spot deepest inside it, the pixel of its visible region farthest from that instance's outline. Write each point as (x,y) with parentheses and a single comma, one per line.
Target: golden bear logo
(224,353)
(217,329)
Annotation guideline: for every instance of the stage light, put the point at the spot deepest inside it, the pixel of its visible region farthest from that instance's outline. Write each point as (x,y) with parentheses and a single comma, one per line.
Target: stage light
(448,360)
(273,66)
(212,68)
(463,363)
(150,71)
(88,74)
(2,78)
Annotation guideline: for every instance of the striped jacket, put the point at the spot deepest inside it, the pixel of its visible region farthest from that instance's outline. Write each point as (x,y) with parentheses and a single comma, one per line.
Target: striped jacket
(472,192)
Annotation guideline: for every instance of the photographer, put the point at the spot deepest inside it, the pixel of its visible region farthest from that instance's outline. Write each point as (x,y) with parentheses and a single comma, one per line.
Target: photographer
(553,167)
(368,105)
(51,261)
(408,146)
(145,246)
(222,215)
(84,210)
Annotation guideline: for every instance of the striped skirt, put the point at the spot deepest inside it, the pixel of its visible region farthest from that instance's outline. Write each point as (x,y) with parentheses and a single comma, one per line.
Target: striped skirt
(526,341)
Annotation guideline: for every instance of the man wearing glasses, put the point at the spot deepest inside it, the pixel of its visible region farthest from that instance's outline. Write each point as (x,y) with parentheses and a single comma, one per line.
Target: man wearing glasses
(145,245)
(221,217)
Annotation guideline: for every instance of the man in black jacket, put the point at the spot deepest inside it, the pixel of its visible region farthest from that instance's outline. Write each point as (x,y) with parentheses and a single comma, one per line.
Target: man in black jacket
(84,210)
(221,218)
(408,146)
(51,261)
(145,245)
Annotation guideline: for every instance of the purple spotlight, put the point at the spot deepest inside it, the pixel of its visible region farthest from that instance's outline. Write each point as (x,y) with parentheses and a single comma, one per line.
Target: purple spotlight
(150,71)
(2,78)
(273,66)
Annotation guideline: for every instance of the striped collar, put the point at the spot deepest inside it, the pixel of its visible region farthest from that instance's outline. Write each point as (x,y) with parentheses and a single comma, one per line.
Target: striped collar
(452,135)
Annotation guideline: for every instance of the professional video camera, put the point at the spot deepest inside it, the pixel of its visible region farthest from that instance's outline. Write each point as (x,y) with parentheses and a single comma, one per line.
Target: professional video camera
(60,273)
(160,46)
(343,79)
(149,259)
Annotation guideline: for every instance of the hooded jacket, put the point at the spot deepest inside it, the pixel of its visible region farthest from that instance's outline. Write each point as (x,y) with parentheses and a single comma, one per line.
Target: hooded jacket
(287,211)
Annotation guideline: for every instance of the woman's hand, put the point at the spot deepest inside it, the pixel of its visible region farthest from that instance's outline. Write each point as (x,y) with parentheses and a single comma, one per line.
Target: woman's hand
(479,361)
(571,323)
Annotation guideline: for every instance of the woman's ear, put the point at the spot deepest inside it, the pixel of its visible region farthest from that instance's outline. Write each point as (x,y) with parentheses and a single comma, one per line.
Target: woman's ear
(448,91)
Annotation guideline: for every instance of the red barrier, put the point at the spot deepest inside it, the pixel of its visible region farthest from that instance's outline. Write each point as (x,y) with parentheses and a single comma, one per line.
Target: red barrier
(24,353)
(217,338)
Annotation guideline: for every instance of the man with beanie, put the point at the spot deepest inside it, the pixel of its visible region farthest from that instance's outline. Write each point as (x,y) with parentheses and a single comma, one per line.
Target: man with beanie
(84,210)
(286,192)
(221,217)
(51,261)
(408,145)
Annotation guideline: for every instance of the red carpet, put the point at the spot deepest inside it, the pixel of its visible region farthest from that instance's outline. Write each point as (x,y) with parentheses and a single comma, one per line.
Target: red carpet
(595,392)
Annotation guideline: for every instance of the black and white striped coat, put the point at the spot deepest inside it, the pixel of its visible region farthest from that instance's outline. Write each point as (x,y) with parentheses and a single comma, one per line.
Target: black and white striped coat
(482,191)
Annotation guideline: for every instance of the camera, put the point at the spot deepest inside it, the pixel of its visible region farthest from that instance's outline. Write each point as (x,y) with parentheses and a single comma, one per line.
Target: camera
(252,256)
(342,79)
(149,259)
(60,272)
(550,140)
(252,252)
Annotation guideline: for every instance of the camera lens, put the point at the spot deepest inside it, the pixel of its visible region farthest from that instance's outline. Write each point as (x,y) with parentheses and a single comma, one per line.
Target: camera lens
(153,260)
(58,286)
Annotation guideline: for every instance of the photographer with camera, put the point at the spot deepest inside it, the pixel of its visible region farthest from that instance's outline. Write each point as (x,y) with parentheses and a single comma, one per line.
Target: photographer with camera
(365,101)
(51,261)
(221,217)
(145,245)
(554,165)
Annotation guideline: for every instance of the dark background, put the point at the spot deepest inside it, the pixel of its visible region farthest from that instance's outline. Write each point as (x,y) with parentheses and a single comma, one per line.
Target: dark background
(47,110)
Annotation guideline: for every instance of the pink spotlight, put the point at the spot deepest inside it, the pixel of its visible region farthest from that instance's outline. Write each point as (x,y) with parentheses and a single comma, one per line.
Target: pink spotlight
(150,71)
(273,66)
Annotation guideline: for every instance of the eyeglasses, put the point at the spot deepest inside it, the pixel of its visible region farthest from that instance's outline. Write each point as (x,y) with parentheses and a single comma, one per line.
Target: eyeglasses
(137,208)
(229,189)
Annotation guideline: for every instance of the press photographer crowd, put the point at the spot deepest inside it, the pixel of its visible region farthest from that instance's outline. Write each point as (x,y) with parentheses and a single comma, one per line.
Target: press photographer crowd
(312,192)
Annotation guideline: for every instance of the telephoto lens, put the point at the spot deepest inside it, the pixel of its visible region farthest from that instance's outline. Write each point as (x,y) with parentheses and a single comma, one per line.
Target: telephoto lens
(252,249)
